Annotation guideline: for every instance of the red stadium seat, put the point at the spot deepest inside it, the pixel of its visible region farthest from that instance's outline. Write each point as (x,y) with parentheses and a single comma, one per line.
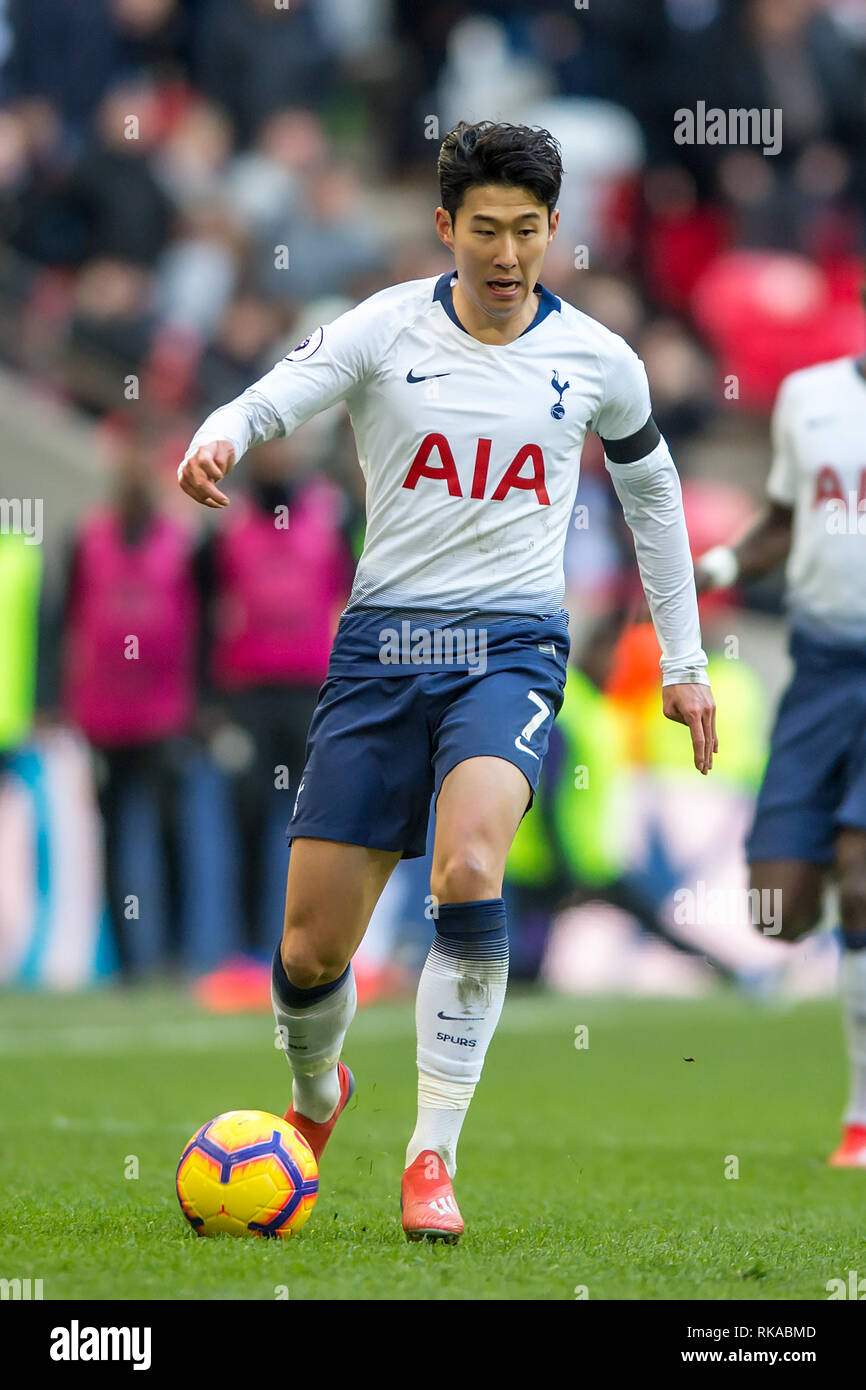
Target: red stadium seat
(766,314)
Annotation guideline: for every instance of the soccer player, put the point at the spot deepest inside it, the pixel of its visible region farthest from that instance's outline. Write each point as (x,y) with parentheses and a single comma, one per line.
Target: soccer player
(469,395)
(810,818)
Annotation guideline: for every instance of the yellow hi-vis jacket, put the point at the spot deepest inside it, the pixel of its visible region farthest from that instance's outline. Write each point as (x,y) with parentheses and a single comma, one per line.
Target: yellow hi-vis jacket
(20,583)
(575,823)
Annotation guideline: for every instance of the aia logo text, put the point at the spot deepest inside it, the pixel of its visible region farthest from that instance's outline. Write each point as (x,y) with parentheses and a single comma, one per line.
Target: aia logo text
(444,470)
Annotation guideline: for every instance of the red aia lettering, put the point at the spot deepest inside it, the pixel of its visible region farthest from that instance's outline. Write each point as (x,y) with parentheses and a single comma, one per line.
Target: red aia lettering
(447,469)
(828,485)
(482,459)
(511,476)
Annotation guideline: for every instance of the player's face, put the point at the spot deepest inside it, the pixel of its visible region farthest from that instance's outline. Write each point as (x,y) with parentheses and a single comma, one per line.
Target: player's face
(499,237)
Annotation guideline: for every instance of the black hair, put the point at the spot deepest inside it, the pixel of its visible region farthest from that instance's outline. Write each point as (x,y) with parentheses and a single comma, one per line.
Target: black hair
(519,156)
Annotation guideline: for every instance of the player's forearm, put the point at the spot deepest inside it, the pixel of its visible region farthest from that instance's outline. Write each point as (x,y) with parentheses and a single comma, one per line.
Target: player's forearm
(248,420)
(764,546)
(651,499)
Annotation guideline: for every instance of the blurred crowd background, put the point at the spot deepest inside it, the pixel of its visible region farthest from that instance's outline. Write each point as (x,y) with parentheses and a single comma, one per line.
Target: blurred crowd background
(187,188)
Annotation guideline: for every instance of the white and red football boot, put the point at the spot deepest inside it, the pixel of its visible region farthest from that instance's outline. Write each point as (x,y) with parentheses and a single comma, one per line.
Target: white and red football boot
(851,1152)
(427,1201)
(317,1135)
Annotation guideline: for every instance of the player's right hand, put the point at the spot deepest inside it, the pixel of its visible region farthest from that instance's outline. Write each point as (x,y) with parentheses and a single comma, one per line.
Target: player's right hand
(199,474)
(693,704)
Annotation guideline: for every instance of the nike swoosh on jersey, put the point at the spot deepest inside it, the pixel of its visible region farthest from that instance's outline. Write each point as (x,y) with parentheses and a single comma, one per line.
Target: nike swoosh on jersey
(410,376)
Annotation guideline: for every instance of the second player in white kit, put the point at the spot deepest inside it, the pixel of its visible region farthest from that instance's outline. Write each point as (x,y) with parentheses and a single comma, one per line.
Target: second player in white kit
(810,821)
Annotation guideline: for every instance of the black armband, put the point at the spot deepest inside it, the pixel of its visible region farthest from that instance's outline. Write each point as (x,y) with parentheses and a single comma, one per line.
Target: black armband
(634,446)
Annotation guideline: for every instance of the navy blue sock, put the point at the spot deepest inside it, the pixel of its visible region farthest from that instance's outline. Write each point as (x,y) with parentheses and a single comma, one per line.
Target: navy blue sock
(472,931)
(460,998)
(312,1025)
(852,985)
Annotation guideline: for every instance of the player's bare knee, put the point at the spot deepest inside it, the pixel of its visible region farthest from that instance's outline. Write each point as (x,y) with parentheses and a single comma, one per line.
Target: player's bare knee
(464,877)
(784,920)
(852,899)
(781,908)
(851,878)
(306,964)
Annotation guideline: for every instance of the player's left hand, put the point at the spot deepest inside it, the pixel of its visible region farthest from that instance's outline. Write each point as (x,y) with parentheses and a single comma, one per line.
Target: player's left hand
(694,705)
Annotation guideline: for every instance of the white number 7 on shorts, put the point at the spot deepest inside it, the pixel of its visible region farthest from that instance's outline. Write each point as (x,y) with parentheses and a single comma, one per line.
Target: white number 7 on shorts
(529,729)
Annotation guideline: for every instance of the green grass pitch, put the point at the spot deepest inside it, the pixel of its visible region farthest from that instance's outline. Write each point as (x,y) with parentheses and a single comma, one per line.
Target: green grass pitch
(600,1168)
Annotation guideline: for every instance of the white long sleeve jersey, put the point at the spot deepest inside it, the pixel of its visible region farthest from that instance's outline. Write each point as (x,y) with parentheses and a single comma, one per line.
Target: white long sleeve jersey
(471,455)
(819,470)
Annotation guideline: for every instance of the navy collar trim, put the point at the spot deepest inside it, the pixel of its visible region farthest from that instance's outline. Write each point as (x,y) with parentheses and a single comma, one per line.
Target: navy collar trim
(548,302)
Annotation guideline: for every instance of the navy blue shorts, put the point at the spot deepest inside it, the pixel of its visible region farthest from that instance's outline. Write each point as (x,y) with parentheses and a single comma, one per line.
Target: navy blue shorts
(380,745)
(815,782)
